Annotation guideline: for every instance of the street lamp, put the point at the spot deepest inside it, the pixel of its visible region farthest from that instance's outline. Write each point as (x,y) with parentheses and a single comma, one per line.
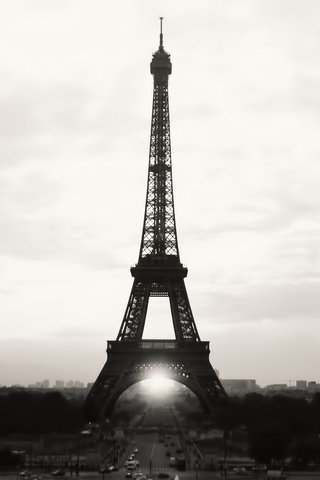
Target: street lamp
(196,466)
(225,444)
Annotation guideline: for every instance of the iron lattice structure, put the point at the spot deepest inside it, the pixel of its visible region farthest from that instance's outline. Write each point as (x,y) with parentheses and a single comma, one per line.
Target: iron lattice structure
(158,273)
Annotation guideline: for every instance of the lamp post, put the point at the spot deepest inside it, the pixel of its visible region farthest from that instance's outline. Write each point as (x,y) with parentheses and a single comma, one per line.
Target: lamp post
(150,462)
(196,465)
(19,454)
(78,457)
(225,453)
(30,457)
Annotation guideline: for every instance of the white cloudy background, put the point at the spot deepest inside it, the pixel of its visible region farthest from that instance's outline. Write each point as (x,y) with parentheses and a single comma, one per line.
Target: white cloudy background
(75,102)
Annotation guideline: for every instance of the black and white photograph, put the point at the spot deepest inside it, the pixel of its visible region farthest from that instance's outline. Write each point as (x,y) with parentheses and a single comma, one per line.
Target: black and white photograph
(160,239)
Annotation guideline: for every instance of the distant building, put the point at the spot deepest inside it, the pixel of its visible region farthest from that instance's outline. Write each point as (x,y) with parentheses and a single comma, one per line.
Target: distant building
(69,384)
(45,383)
(40,384)
(240,386)
(78,384)
(313,386)
(276,387)
(59,384)
(301,384)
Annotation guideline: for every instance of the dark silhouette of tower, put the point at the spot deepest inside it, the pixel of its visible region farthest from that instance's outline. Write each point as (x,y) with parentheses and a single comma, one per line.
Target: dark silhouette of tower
(158,273)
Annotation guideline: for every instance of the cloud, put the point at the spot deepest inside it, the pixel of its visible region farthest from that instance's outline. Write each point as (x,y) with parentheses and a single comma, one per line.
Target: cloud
(39,240)
(278,302)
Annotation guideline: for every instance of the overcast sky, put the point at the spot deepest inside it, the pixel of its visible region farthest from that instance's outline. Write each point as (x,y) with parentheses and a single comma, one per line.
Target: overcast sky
(75,102)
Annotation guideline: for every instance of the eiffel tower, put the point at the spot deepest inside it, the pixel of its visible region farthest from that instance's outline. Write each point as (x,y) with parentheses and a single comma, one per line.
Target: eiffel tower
(158,273)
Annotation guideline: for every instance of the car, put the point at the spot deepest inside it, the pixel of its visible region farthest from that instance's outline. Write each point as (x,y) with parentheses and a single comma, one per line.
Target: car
(163,475)
(25,474)
(128,475)
(239,470)
(107,469)
(138,475)
(131,465)
(57,473)
(276,474)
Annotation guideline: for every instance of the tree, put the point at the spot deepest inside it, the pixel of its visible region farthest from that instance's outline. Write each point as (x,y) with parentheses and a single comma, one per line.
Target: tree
(306,449)
(269,443)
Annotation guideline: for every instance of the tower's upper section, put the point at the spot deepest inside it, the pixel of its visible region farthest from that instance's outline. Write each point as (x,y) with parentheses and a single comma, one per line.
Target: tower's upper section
(161,59)
(159,244)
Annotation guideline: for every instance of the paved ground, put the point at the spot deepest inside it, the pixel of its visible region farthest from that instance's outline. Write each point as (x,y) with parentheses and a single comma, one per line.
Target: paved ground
(188,475)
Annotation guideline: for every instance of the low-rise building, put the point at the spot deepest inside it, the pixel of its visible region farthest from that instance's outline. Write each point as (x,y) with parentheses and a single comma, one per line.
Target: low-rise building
(240,386)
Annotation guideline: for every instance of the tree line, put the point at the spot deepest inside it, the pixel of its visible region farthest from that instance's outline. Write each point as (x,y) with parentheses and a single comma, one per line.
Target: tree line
(36,412)
(276,428)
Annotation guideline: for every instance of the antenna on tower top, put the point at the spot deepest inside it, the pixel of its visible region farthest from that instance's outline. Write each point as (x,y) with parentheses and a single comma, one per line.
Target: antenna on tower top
(161,35)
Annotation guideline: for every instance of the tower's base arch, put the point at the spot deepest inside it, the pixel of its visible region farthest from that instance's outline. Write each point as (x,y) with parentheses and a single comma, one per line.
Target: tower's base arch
(131,362)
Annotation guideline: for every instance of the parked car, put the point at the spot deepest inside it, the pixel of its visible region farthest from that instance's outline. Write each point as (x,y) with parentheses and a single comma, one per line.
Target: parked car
(276,474)
(138,475)
(131,465)
(240,470)
(58,473)
(128,475)
(107,469)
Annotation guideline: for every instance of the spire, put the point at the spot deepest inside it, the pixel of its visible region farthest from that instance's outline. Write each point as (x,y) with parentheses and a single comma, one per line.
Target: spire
(161,59)
(161,35)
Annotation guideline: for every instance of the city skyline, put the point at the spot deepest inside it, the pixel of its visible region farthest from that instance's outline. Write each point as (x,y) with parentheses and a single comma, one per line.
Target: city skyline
(76,98)
(159,382)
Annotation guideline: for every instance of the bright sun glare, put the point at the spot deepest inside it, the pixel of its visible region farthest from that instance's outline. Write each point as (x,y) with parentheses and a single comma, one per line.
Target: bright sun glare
(158,384)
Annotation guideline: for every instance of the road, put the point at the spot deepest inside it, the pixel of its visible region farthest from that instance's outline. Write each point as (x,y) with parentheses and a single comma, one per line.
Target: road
(156,439)
(190,475)
(153,452)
